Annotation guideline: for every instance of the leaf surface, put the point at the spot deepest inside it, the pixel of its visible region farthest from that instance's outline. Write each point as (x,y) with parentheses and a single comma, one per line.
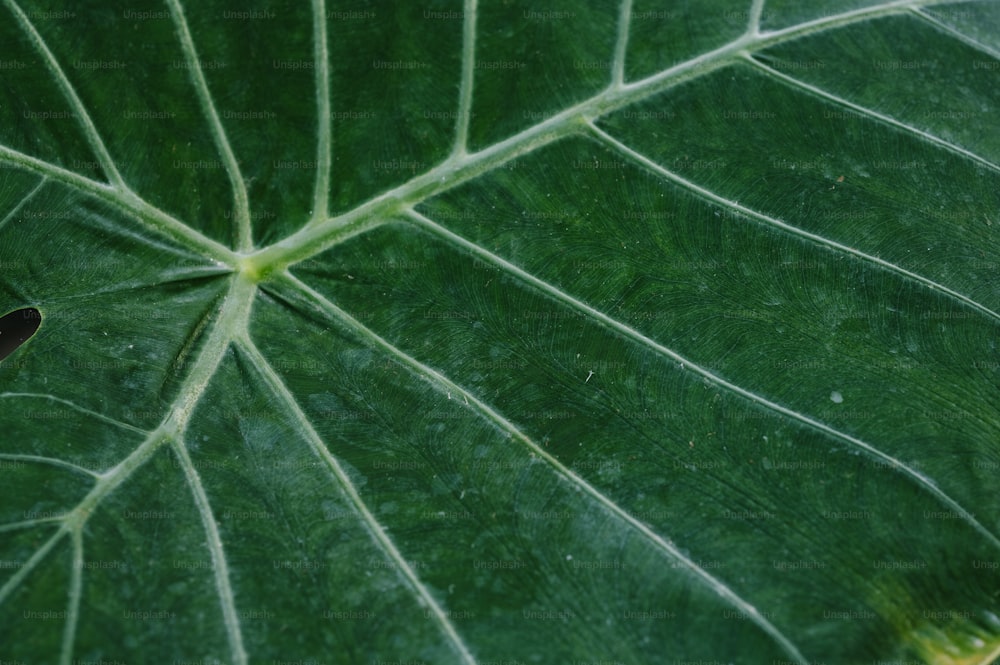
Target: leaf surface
(632,332)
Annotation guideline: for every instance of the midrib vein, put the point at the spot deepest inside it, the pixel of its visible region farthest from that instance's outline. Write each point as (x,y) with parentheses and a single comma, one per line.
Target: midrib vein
(445,385)
(457,169)
(232,319)
(460,166)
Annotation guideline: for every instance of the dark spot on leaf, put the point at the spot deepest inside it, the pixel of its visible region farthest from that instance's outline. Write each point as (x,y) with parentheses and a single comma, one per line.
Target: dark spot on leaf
(16,328)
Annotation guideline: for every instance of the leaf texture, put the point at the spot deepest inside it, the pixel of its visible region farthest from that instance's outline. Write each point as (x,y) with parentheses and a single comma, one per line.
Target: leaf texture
(458,332)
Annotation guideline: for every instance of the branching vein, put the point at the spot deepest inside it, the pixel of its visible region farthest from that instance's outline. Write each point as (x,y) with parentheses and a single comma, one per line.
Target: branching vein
(220,567)
(455,170)
(15,211)
(621,43)
(468,78)
(706,194)
(126,201)
(73,603)
(753,22)
(874,115)
(630,333)
(375,529)
(241,214)
(447,386)
(324,136)
(89,130)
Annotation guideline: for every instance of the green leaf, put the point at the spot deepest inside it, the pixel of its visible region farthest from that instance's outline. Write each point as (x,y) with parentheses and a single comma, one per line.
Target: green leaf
(606,332)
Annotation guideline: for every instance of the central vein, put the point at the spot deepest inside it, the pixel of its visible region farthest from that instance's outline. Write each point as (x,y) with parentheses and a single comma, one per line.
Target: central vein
(232,320)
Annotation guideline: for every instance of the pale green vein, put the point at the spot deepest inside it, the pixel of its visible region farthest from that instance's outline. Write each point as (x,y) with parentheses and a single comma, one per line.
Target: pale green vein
(447,386)
(962,37)
(621,44)
(324,136)
(468,78)
(89,130)
(29,565)
(27,524)
(231,320)
(828,22)
(313,239)
(874,115)
(126,201)
(24,201)
(82,183)
(241,213)
(51,461)
(375,529)
(753,21)
(703,193)
(73,405)
(73,604)
(220,567)
(630,333)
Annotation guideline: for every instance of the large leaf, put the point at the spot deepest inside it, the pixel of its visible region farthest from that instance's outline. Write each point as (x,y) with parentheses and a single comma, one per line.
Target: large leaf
(605,332)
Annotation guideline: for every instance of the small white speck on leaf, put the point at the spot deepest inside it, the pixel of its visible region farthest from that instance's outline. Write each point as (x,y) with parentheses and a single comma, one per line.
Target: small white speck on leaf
(836,397)
(590,374)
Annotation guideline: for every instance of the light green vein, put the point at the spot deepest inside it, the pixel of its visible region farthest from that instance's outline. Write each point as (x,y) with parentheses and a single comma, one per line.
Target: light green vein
(375,529)
(447,386)
(703,193)
(76,407)
(964,38)
(126,201)
(324,150)
(313,239)
(220,567)
(874,115)
(468,78)
(29,565)
(27,524)
(232,320)
(753,20)
(241,213)
(73,604)
(89,130)
(621,44)
(38,459)
(630,333)
(24,201)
